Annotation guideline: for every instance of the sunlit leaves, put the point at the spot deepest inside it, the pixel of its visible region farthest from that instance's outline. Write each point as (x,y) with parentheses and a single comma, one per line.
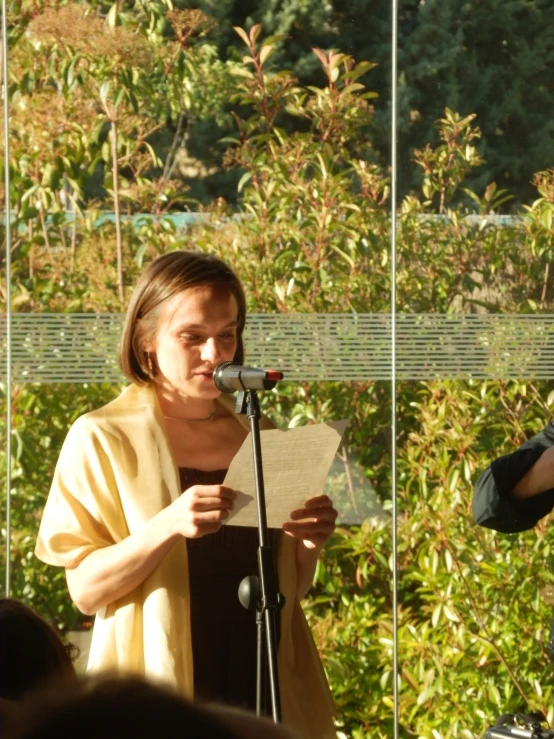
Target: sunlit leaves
(312,234)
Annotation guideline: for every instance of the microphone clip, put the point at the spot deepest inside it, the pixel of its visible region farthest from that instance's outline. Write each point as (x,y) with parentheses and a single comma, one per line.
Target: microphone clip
(240,407)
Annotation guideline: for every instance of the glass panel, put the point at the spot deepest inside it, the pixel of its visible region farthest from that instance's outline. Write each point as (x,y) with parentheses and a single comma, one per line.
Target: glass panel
(475,292)
(136,130)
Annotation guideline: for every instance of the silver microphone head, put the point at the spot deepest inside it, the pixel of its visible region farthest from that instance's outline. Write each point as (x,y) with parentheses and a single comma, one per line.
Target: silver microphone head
(218,379)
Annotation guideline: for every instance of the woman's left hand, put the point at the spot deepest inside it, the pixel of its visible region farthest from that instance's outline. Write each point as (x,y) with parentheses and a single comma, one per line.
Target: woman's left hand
(314,523)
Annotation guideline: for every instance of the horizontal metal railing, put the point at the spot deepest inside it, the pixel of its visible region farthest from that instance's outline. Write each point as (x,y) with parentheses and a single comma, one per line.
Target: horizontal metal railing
(82,347)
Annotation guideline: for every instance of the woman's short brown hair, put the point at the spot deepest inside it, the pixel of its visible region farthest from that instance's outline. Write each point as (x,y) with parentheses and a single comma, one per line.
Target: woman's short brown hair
(166,276)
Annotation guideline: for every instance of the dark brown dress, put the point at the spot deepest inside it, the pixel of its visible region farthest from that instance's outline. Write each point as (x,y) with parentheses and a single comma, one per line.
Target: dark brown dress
(223,632)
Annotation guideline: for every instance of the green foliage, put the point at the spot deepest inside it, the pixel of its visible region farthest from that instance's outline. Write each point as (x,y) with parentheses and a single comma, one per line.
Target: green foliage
(90,98)
(41,418)
(314,203)
(489,57)
(472,624)
(446,166)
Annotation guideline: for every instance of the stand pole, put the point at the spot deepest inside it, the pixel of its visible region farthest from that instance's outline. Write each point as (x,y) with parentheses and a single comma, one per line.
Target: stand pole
(261,663)
(267,599)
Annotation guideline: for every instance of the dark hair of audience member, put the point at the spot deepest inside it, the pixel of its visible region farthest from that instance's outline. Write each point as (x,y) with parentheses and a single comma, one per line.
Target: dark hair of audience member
(31,652)
(121,707)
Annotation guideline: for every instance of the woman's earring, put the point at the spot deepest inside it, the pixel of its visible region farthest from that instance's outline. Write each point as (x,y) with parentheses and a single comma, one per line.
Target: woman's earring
(150,364)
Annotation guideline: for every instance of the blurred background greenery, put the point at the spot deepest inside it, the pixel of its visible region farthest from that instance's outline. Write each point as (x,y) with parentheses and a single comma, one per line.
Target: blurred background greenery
(271,122)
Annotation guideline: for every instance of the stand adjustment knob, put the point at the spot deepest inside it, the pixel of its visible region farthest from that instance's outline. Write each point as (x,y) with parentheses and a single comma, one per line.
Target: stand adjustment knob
(249,592)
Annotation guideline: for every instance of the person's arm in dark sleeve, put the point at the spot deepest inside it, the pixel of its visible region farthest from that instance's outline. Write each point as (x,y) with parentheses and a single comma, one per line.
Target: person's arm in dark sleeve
(517,489)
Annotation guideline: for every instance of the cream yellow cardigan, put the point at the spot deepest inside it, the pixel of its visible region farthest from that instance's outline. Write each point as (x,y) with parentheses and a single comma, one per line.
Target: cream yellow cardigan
(114,473)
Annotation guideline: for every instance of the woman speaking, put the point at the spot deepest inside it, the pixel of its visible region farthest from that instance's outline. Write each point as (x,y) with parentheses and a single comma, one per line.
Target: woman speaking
(137,504)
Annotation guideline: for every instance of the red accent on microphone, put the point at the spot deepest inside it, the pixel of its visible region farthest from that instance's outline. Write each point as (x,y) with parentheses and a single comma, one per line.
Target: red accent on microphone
(273,375)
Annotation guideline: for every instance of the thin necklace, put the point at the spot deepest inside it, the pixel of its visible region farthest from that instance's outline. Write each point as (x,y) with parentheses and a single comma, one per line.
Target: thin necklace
(194,420)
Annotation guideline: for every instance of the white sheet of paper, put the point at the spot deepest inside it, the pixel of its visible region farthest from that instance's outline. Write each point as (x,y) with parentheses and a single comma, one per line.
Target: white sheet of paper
(295,466)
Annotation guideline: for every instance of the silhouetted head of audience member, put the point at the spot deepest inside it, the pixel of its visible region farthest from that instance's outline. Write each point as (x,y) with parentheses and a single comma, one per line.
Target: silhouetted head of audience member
(112,707)
(31,652)
(124,707)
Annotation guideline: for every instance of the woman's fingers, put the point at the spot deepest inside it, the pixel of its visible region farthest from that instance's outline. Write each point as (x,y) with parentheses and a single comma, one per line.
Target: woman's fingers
(210,497)
(307,529)
(311,541)
(214,491)
(314,523)
(326,512)
(206,522)
(319,501)
(210,504)
(212,516)
(202,509)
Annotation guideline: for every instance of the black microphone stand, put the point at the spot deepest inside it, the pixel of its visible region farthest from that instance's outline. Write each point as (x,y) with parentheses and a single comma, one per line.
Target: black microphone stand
(261,592)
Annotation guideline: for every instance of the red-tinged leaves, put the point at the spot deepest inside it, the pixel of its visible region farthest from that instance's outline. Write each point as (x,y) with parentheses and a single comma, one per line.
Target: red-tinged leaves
(242,33)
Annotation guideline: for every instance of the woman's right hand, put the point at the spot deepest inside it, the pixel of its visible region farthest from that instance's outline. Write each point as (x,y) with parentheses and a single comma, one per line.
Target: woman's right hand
(201,510)
(110,573)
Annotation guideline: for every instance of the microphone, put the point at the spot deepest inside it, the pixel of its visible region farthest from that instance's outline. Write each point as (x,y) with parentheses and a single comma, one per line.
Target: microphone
(229,377)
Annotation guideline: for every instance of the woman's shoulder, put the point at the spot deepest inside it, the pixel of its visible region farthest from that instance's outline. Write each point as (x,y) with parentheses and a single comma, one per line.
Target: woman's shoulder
(133,405)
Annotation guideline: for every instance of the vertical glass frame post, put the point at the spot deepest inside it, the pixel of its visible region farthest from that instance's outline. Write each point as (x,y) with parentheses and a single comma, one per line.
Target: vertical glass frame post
(394,169)
(8,292)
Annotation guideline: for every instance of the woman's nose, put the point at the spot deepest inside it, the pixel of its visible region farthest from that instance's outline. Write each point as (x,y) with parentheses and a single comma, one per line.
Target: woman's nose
(211,351)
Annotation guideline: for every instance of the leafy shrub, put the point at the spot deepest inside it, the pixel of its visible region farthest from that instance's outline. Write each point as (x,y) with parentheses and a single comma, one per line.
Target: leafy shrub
(313,235)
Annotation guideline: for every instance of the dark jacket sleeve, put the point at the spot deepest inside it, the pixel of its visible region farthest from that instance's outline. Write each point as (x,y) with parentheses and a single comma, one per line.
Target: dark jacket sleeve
(493,506)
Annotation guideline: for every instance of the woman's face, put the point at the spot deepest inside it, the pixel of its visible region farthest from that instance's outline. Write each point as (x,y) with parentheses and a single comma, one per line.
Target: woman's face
(197,330)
